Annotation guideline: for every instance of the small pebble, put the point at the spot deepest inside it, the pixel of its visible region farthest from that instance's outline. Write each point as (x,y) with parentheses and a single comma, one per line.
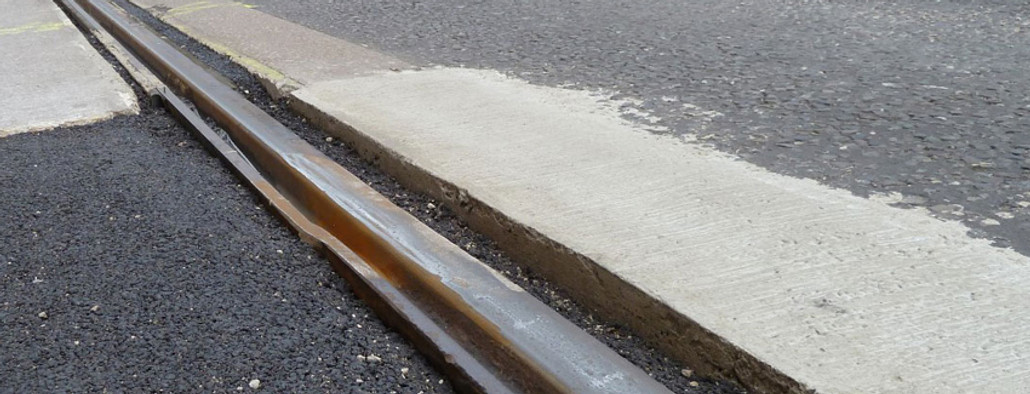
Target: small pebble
(1005,215)
(94,308)
(43,315)
(687,372)
(914,200)
(948,209)
(328,139)
(361,358)
(990,222)
(255,384)
(373,358)
(694,384)
(404,371)
(431,206)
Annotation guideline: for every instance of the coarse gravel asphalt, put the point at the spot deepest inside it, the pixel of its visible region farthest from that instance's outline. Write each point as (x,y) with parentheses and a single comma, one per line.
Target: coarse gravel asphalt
(924,98)
(157,271)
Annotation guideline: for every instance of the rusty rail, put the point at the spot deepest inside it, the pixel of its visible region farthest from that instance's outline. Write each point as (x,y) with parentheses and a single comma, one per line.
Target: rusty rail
(480,329)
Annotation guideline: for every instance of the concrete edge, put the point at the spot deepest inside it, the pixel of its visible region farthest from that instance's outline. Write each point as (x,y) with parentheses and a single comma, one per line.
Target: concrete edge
(587,282)
(132,108)
(137,71)
(146,79)
(275,82)
(37,128)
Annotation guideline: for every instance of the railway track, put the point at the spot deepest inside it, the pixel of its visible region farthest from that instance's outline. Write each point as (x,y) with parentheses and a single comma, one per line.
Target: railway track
(478,328)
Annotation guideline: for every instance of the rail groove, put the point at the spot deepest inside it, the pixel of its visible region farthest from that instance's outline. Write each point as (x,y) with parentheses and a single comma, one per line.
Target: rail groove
(480,329)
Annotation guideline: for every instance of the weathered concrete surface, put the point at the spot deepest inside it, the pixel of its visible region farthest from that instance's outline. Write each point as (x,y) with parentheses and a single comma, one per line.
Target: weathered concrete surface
(281,52)
(841,293)
(51,75)
(762,276)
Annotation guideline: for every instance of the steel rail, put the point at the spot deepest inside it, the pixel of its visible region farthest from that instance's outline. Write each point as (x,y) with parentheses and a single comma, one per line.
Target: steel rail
(480,329)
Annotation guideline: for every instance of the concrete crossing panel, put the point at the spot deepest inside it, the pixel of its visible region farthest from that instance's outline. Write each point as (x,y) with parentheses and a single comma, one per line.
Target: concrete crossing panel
(50,75)
(842,293)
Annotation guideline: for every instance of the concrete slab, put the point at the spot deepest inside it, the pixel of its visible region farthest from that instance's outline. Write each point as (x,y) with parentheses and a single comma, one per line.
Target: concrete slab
(281,52)
(781,283)
(51,75)
(841,293)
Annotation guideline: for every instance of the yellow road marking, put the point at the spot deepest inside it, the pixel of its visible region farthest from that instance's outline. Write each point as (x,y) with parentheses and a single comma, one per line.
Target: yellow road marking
(204,5)
(35,27)
(247,62)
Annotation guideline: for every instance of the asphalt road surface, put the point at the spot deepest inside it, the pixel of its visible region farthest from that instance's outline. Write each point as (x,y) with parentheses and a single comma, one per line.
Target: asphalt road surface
(924,98)
(132,261)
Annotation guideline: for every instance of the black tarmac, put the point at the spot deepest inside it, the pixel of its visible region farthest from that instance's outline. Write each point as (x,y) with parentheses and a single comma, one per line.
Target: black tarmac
(924,98)
(131,261)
